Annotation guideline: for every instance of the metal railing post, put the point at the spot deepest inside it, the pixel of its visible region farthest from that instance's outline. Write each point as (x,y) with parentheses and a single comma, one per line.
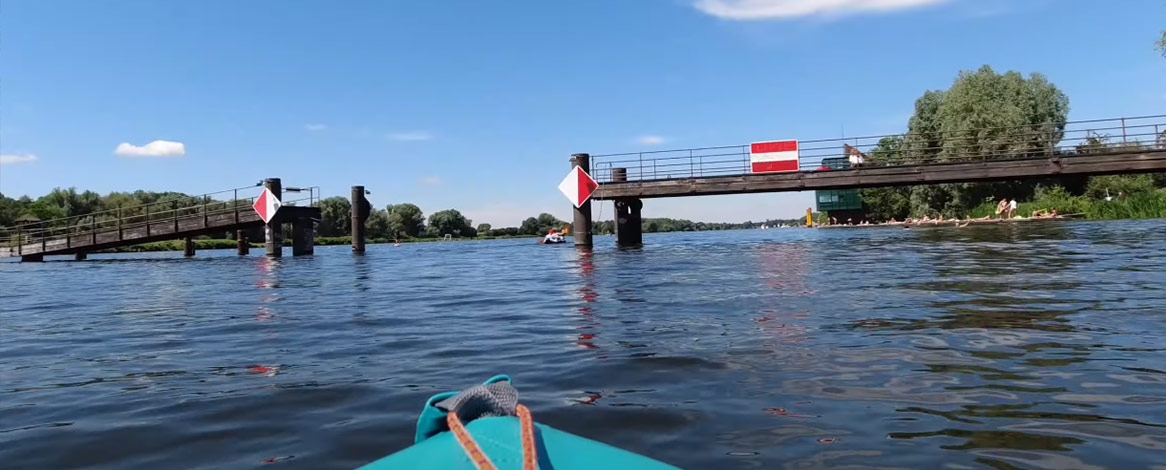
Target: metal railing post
(119,232)
(235,206)
(44,239)
(174,209)
(1123,130)
(204,217)
(19,240)
(691,165)
(93,229)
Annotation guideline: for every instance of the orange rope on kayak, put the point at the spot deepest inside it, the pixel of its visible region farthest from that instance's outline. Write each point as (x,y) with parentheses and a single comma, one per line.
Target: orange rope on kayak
(481,462)
(479,458)
(529,453)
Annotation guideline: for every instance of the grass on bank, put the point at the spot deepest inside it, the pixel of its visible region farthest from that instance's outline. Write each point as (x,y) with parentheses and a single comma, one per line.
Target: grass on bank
(1141,205)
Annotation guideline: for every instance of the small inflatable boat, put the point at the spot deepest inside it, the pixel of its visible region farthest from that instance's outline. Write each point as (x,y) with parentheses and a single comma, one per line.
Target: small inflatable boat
(485,428)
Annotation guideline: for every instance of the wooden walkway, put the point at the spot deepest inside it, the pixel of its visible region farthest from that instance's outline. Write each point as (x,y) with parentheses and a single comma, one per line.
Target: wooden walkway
(87,234)
(875,176)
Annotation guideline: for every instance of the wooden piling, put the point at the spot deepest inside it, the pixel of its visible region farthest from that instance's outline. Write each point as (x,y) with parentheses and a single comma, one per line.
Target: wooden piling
(582,226)
(360,211)
(188,247)
(80,256)
(629,231)
(273,232)
(242,245)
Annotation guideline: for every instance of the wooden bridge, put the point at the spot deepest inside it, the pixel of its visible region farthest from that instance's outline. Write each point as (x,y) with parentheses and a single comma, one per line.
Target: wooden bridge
(170,219)
(1094,147)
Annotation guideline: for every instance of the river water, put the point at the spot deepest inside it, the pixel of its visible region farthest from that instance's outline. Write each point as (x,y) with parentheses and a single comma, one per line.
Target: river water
(1034,346)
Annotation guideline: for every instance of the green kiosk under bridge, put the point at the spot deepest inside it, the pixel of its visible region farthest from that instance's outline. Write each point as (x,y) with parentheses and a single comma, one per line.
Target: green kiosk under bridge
(842,205)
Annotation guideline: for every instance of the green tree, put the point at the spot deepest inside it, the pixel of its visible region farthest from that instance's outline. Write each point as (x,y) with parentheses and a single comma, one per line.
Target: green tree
(529,227)
(549,221)
(71,202)
(484,229)
(10,210)
(335,217)
(984,115)
(378,224)
(405,219)
(1162,44)
(1118,185)
(452,222)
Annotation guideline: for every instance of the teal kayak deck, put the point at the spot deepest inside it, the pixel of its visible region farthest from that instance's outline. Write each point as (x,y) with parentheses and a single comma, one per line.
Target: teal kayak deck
(498,437)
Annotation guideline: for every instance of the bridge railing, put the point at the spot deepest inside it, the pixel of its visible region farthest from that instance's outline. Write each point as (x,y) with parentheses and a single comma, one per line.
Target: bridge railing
(161,213)
(1117,135)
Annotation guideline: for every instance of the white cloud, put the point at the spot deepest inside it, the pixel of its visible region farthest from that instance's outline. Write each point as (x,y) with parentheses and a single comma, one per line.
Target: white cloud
(315,127)
(775,9)
(157,148)
(431,180)
(412,136)
(650,140)
(10,158)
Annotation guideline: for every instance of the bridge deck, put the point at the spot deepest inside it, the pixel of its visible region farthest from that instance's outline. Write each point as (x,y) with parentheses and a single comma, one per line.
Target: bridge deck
(1146,161)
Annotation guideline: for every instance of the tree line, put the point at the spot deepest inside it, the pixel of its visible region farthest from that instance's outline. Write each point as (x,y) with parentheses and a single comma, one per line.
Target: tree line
(980,115)
(395,221)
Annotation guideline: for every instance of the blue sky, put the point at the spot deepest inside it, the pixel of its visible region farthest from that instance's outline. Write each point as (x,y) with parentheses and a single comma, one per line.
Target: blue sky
(478,105)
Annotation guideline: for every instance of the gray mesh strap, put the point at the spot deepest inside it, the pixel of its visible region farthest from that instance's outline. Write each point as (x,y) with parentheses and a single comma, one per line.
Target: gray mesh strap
(482,401)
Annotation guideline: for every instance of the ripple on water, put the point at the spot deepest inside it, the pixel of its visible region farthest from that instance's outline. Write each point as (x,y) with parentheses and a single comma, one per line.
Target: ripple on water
(1026,346)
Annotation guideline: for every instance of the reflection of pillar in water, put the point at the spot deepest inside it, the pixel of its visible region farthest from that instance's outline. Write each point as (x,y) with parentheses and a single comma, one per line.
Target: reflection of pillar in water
(589,295)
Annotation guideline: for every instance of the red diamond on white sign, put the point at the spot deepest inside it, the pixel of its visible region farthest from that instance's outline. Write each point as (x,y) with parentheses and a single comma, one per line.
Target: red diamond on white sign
(266,205)
(578,186)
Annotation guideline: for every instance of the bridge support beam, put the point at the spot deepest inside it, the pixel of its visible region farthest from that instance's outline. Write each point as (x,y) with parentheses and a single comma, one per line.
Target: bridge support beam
(274,231)
(303,236)
(188,247)
(241,243)
(37,258)
(360,212)
(582,226)
(80,256)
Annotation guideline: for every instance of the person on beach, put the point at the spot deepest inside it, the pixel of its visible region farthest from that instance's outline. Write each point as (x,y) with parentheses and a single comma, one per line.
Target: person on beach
(1001,207)
(1012,208)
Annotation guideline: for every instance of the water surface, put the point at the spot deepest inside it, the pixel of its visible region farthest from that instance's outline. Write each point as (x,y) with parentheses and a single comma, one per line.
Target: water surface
(1034,346)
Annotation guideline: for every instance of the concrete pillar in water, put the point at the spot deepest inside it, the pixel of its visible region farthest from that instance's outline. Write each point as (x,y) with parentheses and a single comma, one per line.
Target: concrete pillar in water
(274,231)
(629,231)
(37,258)
(188,247)
(360,211)
(303,236)
(80,256)
(242,244)
(582,226)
